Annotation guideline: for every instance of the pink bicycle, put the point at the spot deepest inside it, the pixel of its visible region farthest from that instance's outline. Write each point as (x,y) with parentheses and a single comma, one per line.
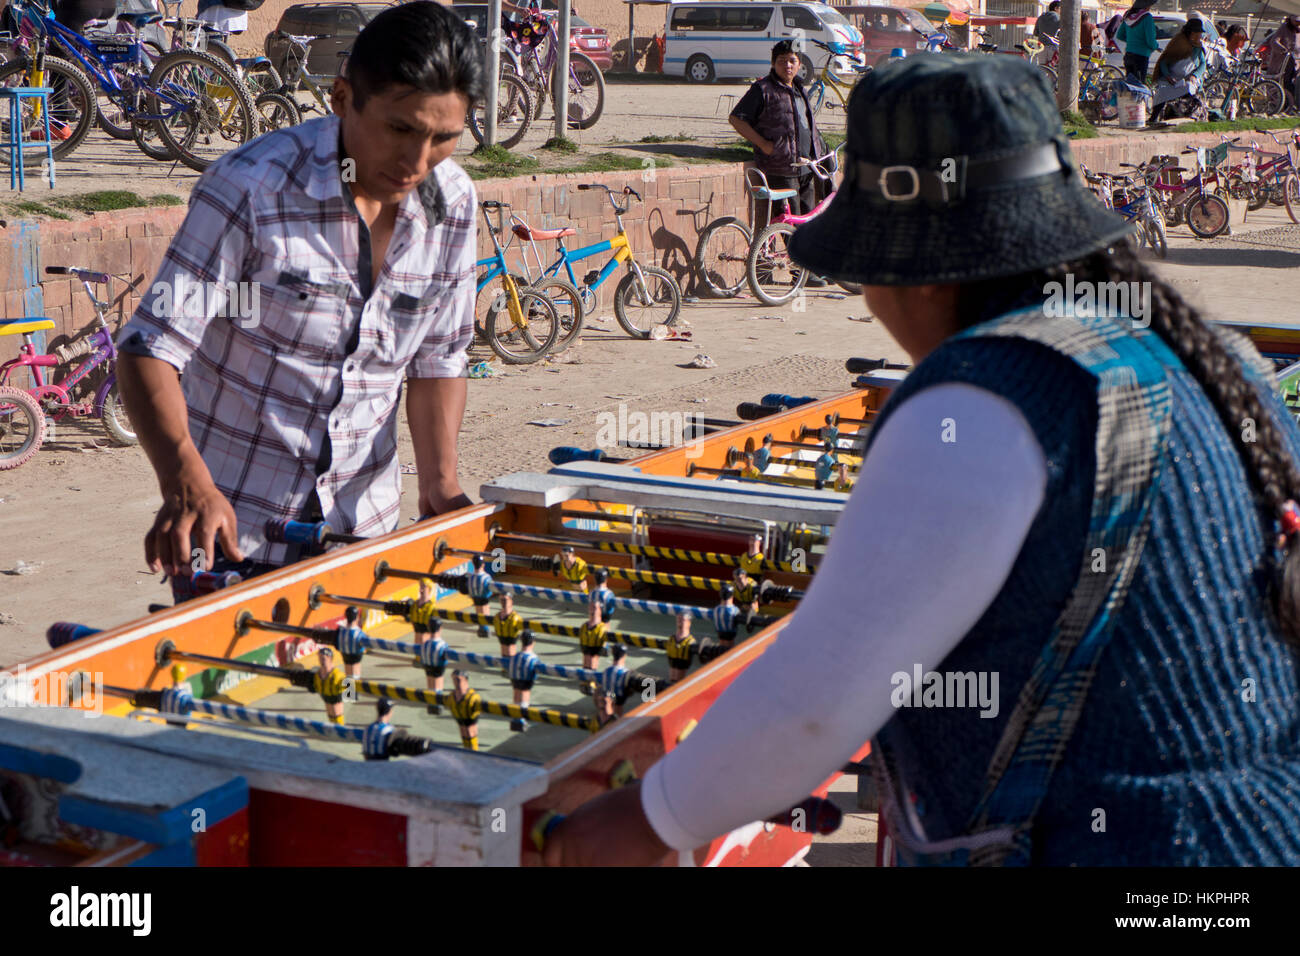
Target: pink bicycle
(773,276)
(23,412)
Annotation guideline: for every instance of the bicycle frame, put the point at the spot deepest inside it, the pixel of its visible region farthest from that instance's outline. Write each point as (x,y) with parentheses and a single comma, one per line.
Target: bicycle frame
(312,81)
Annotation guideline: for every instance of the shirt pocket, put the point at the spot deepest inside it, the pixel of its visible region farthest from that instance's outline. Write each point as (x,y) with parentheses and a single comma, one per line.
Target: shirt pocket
(413,315)
(305,313)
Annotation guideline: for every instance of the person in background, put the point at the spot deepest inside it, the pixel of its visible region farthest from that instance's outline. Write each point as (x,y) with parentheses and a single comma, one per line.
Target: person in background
(226,19)
(75,14)
(1090,36)
(1137,31)
(1281,50)
(1235,39)
(1180,71)
(1049,24)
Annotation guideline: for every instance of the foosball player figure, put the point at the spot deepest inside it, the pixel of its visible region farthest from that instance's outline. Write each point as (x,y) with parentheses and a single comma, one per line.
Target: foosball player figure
(330,682)
(763,454)
(480,591)
(603,595)
(348,641)
(681,647)
(375,742)
(508,625)
(746,591)
(749,468)
(843,483)
(604,706)
(831,433)
(421,612)
(613,679)
(433,658)
(523,671)
(824,466)
(178,677)
(466,706)
(571,567)
(752,559)
(591,639)
(726,616)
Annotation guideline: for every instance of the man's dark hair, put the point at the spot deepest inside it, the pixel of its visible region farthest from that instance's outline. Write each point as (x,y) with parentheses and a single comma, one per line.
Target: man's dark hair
(1054,6)
(423,45)
(783,48)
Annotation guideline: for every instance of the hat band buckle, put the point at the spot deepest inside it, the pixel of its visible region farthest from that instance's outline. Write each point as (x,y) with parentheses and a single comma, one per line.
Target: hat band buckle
(883,183)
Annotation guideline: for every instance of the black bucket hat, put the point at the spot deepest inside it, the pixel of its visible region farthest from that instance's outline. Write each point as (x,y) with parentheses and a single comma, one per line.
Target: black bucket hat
(956,169)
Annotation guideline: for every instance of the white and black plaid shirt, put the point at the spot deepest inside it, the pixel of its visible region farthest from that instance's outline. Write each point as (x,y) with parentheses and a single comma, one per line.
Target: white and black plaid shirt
(305,398)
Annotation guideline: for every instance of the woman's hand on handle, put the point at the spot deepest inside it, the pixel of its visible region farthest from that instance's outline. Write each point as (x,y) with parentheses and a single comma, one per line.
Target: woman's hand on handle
(610,830)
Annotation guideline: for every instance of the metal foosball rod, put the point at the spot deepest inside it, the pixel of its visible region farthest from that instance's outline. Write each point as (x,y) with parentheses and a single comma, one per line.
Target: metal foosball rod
(792,481)
(819,445)
(735,455)
(418,695)
(644,550)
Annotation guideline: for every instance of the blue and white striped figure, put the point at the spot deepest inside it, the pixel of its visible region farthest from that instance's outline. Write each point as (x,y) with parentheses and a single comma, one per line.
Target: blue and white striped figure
(375,743)
(481,590)
(602,595)
(433,652)
(613,679)
(176,702)
(725,618)
(523,668)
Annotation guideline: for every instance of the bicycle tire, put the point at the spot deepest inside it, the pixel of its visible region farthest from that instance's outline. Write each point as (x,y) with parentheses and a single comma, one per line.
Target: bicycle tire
(518,104)
(236,131)
(1051,75)
(589,78)
(1111,73)
(77,115)
(566,298)
(1291,196)
(22,427)
(220,49)
(720,257)
(1155,234)
(276,111)
(265,79)
(852,288)
(538,309)
(817,96)
(769,256)
(149,141)
(117,425)
(1207,216)
(1266,97)
(667,291)
(108,113)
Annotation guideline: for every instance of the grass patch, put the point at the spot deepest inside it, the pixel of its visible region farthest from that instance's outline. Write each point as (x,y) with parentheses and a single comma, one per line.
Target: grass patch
(614,162)
(1228,126)
(492,162)
(1077,124)
(560,145)
(26,207)
(679,138)
(103,200)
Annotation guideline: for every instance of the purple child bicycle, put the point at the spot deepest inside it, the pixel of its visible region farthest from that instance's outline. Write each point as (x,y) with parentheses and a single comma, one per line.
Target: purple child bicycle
(23,412)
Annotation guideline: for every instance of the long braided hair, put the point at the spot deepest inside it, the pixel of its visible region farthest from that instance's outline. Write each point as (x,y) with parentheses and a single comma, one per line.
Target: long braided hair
(1273,473)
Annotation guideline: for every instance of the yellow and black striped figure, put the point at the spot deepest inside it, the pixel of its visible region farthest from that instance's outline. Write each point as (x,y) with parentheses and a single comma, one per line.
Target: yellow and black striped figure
(330,682)
(681,647)
(843,483)
(746,591)
(422,610)
(752,559)
(466,706)
(572,568)
(749,469)
(508,624)
(591,636)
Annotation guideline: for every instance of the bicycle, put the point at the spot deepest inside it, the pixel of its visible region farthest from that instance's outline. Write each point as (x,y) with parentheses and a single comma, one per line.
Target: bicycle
(773,276)
(190,99)
(1137,205)
(1262,177)
(59,400)
(639,295)
(586,82)
(298,49)
(1244,88)
(532,324)
(515,109)
(1031,49)
(828,78)
(1187,200)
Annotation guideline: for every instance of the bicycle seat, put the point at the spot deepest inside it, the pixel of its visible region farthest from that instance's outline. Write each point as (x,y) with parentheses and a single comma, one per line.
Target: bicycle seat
(988,46)
(23,326)
(774,195)
(139,20)
(251,61)
(525,231)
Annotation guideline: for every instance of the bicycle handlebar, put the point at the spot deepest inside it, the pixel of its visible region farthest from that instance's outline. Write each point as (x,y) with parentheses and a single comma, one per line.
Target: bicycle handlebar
(609,194)
(85,275)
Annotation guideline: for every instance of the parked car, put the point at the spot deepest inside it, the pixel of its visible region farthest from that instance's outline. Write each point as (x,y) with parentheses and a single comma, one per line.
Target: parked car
(888,28)
(1167,26)
(337,23)
(706,40)
(584,37)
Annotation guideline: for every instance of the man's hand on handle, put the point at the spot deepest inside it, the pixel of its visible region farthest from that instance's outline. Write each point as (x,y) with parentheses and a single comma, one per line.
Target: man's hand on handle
(195,514)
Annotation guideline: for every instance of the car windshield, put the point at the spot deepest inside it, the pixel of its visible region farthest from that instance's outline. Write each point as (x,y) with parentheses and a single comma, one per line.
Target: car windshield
(829,15)
(916,21)
(371,10)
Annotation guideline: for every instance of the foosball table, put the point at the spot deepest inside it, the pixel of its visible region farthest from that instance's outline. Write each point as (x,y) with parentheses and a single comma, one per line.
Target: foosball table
(441,694)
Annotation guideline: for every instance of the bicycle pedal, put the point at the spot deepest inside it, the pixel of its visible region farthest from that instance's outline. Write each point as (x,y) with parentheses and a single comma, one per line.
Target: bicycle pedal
(590,277)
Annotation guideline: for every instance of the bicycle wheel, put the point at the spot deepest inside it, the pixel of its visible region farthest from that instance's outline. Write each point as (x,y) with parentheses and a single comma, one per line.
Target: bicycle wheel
(773,276)
(276,111)
(586,91)
(217,114)
(639,308)
(1110,74)
(1207,216)
(720,257)
(264,78)
(1051,76)
(568,308)
(73,109)
(852,288)
(113,117)
(116,423)
(1291,196)
(148,139)
(1154,228)
(1265,97)
(817,95)
(22,427)
(1221,94)
(527,342)
(514,112)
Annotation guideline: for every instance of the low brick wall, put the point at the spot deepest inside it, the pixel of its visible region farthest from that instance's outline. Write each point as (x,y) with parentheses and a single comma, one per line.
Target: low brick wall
(664,229)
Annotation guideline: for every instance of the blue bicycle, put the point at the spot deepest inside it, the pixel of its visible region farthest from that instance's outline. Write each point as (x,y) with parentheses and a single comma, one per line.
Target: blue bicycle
(196,104)
(520,324)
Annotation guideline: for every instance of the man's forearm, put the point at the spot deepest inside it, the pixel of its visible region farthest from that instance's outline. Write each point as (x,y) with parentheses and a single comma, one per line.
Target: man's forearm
(750,134)
(155,403)
(435,408)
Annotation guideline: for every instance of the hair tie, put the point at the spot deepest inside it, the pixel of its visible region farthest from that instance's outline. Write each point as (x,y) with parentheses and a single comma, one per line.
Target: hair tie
(1289,516)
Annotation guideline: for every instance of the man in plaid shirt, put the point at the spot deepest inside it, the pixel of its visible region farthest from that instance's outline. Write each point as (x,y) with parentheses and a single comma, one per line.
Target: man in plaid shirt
(349,242)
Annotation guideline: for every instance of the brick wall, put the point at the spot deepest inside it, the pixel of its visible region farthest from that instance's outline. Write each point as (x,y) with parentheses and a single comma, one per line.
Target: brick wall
(664,229)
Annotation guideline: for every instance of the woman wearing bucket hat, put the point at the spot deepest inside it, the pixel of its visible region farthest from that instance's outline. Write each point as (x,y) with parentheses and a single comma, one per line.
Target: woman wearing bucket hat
(1090,593)
(1179,74)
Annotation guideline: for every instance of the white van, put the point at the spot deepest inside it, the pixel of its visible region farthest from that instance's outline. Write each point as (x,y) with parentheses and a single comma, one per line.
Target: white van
(705,41)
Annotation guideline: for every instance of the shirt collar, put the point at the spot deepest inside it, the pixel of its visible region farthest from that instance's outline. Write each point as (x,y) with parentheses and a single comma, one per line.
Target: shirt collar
(424,204)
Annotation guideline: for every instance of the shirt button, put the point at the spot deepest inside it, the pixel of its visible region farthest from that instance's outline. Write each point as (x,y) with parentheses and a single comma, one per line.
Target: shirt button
(322,481)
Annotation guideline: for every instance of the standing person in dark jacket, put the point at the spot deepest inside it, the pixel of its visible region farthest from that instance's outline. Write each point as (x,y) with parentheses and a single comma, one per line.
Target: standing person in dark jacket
(776,118)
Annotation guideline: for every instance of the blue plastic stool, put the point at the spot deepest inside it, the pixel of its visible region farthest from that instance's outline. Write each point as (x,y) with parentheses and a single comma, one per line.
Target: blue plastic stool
(15,96)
